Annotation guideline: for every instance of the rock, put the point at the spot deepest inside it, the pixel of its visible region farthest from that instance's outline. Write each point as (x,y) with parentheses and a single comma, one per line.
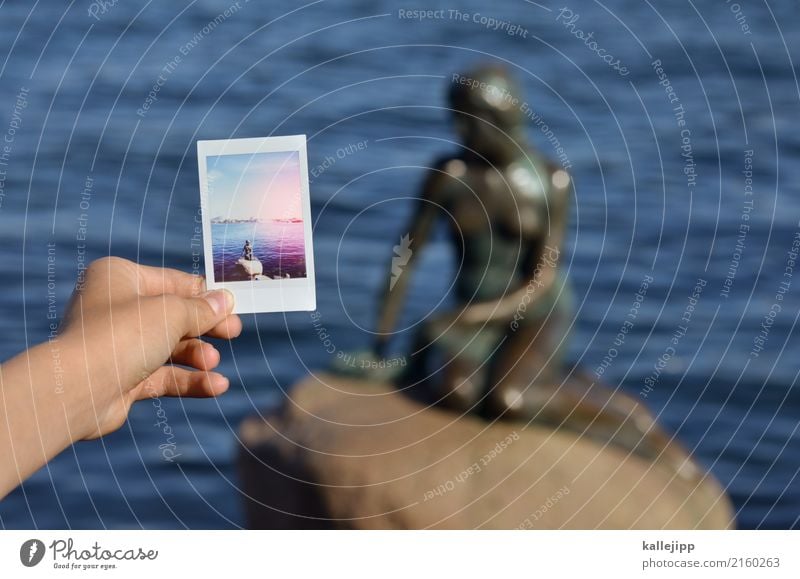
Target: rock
(252,267)
(351,454)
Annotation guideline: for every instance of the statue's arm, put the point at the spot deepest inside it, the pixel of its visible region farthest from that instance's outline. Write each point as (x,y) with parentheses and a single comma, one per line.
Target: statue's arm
(418,231)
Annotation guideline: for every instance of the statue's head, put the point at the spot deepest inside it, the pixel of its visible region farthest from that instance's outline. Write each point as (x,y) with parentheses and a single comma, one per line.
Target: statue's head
(487,109)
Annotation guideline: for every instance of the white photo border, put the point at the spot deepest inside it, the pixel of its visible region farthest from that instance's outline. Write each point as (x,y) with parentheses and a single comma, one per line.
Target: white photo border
(280,295)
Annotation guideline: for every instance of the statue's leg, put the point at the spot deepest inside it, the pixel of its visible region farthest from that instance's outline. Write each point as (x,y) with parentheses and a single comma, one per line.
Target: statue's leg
(528,382)
(462,384)
(415,380)
(449,366)
(527,369)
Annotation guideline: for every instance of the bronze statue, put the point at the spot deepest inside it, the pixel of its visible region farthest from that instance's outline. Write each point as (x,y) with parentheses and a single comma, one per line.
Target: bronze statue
(507,209)
(500,352)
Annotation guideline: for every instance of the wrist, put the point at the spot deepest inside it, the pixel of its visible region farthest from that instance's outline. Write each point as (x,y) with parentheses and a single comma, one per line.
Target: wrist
(68,381)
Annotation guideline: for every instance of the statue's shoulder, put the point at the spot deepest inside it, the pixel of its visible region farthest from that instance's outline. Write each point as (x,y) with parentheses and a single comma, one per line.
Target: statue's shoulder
(452,164)
(560,179)
(447,174)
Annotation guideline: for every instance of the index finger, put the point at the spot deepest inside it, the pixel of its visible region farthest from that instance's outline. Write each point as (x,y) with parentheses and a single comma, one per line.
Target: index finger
(156,281)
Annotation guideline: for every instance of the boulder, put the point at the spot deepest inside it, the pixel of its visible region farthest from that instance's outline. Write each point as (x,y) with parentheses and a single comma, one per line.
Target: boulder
(252,267)
(343,453)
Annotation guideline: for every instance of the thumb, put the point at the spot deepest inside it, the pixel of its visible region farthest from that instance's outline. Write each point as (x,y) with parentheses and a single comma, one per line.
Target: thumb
(202,313)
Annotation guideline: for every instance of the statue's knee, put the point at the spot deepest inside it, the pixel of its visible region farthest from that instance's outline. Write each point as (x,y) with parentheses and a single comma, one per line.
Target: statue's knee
(516,399)
(462,386)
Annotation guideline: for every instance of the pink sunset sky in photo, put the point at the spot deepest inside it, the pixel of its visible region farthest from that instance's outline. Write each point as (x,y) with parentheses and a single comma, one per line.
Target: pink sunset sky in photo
(265,186)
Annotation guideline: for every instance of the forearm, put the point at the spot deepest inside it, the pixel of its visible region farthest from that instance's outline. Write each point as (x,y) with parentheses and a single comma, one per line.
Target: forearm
(538,288)
(541,283)
(38,408)
(390,308)
(507,306)
(403,261)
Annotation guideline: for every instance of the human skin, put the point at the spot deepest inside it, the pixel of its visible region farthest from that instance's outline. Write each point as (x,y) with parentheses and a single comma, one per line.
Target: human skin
(124,334)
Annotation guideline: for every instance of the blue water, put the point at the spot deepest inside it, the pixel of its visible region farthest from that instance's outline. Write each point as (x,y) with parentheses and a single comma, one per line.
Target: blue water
(346,73)
(279,246)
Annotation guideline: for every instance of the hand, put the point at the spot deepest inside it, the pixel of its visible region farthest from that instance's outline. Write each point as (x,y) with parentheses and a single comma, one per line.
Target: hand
(125,328)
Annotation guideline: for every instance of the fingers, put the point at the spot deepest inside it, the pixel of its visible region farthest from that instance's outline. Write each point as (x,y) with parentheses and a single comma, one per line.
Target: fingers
(227,329)
(193,317)
(113,279)
(155,281)
(196,353)
(175,381)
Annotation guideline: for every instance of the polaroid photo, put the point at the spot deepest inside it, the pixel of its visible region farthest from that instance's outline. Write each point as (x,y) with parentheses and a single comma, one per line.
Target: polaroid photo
(256,213)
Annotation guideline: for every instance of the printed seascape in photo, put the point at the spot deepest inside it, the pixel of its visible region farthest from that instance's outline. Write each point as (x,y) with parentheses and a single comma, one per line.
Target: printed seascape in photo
(254,204)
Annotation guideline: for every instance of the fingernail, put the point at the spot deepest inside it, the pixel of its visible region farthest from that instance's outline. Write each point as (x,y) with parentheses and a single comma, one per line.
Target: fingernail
(219,383)
(221,301)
